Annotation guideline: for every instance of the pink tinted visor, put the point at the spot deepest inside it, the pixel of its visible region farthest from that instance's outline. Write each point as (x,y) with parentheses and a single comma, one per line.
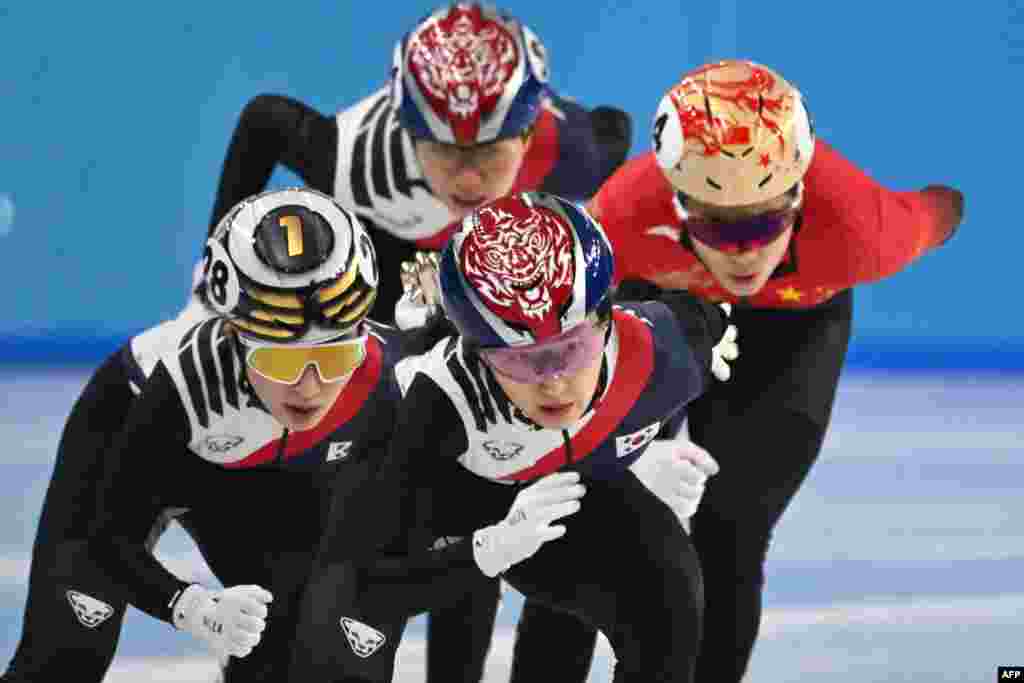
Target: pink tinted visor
(565,354)
(752,232)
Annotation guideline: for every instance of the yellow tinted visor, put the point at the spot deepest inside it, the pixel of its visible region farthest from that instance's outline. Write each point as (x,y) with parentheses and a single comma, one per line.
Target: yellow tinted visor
(285,364)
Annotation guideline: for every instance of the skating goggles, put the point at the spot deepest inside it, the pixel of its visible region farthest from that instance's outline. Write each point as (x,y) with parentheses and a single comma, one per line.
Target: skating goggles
(565,354)
(752,232)
(334,361)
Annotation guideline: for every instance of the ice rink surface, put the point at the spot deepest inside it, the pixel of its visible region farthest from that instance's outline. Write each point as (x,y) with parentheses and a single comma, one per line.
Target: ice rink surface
(902,558)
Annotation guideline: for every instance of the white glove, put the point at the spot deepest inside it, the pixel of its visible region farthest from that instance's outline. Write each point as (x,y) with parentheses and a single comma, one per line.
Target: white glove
(229,621)
(410,312)
(528,524)
(675,470)
(421,295)
(726,349)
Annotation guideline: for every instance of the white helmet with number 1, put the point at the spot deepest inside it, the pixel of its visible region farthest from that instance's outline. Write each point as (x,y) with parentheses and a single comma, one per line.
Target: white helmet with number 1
(291,265)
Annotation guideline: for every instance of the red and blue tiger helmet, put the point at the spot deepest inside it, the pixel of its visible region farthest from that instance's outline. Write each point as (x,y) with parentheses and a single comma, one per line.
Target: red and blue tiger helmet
(523,269)
(468,74)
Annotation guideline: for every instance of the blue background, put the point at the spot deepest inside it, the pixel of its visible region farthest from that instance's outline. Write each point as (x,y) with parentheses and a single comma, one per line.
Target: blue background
(115,119)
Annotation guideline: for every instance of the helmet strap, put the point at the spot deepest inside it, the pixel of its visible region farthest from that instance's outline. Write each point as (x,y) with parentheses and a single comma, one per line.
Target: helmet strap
(482,371)
(684,234)
(527,134)
(789,264)
(602,379)
(244,385)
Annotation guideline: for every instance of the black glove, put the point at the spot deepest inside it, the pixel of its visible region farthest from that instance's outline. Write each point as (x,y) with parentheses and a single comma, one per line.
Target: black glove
(952,201)
(711,337)
(613,129)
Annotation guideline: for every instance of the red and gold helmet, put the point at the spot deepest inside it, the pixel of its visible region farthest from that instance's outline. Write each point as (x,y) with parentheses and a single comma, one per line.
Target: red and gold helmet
(733,133)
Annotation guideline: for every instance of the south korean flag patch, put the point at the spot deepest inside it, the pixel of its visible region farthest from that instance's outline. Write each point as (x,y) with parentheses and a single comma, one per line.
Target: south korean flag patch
(624,445)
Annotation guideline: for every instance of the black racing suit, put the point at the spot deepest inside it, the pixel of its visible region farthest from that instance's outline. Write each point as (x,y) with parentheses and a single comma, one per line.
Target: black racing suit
(399,542)
(765,427)
(74,609)
(196,438)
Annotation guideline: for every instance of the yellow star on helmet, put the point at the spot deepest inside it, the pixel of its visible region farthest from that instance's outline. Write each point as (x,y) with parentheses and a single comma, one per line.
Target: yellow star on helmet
(790,294)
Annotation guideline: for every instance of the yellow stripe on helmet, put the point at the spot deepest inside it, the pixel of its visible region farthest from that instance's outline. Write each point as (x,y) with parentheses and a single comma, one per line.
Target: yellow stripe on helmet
(341,286)
(265,330)
(275,299)
(360,310)
(275,317)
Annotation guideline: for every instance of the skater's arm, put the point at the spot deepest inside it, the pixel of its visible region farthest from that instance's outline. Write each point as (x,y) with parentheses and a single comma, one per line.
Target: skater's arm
(139,483)
(580,147)
(276,130)
(882,230)
(704,324)
(385,527)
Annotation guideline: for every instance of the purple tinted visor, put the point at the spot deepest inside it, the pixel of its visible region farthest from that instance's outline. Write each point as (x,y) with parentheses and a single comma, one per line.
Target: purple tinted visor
(745,233)
(565,354)
(749,233)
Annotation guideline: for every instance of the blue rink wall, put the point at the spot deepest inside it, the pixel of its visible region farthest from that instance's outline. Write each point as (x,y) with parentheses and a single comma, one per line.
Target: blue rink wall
(116,117)
(901,355)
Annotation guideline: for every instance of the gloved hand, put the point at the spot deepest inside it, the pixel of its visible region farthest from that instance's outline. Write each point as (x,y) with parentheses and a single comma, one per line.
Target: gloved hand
(229,621)
(613,130)
(725,350)
(528,524)
(949,207)
(410,312)
(675,470)
(422,294)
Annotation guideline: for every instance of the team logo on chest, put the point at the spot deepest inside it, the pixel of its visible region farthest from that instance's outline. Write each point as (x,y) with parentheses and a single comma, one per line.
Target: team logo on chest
(222,443)
(630,443)
(521,263)
(502,450)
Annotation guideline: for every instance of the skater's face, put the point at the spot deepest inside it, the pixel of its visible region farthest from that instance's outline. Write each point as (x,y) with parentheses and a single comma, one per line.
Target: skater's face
(466,177)
(299,406)
(558,401)
(744,268)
